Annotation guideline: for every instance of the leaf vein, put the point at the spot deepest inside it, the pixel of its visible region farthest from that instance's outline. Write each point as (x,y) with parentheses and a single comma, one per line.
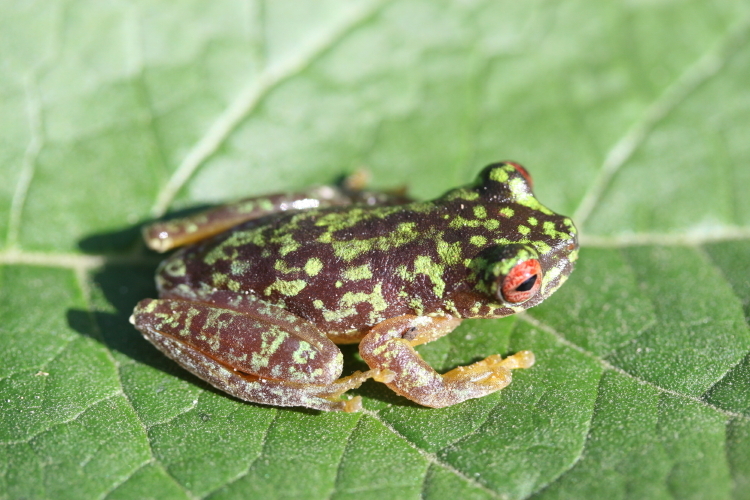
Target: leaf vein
(341,459)
(432,458)
(560,338)
(707,256)
(123,479)
(582,451)
(727,233)
(249,97)
(53,425)
(85,293)
(706,67)
(263,446)
(28,163)
(193,404)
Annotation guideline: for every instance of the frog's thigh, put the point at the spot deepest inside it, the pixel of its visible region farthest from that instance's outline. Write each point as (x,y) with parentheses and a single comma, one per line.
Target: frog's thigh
(389,345)
(247,357)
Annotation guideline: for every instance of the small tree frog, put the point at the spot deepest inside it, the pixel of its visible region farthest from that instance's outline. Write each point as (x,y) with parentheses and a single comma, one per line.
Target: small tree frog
(265,288)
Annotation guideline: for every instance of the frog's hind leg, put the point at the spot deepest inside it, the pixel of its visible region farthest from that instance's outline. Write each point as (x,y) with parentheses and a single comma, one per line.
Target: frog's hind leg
(256,389)
(390,346)
(254,356)
(166,235)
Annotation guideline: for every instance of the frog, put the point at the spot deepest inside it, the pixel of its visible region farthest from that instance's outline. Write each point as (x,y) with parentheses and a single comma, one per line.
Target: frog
(262,291)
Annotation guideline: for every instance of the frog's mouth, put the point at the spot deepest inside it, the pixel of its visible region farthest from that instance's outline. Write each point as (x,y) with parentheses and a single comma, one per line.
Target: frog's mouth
(557,267)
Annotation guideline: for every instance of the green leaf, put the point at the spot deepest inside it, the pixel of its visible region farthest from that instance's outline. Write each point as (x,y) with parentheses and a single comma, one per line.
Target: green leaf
(631,116)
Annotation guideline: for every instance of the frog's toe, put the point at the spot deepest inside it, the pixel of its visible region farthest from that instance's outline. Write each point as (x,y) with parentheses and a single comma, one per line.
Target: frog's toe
(521,359)
(485,377)
(353,405)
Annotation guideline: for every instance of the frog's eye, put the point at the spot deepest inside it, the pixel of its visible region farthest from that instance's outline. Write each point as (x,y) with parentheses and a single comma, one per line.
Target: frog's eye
(522,282)
(513,272)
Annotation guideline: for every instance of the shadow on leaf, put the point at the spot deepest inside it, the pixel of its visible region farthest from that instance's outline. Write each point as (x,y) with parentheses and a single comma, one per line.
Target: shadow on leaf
(127,239)
(123,282)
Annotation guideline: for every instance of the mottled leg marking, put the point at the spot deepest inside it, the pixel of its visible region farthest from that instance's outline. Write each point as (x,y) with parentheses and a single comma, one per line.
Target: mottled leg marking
(165,235)
(275,363)
(389,346)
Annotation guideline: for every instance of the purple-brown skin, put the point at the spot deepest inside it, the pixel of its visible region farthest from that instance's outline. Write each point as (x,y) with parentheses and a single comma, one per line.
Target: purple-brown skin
(256,310)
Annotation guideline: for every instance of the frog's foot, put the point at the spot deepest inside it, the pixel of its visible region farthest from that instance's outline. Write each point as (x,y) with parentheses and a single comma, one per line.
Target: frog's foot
(264,360)
(335,391)
(389,345)
(491,374)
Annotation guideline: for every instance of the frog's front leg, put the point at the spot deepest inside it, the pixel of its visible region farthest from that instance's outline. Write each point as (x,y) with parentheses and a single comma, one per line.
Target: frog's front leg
(250,353)
(390,346)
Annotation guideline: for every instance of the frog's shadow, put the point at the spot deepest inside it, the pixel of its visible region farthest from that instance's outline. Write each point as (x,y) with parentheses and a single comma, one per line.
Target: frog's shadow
(126,278)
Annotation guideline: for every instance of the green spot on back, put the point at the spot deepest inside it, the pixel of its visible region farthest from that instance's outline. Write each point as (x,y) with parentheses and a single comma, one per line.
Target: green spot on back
(283,267)
(313,266)
(461,194)
(362,272)
(491,224)
(499,174)
(351,249)
(459,222)
(423,264)
(449,253)
(239,266)
(219,279)
(375,299)
(549,229)
(287,242)
(288,288)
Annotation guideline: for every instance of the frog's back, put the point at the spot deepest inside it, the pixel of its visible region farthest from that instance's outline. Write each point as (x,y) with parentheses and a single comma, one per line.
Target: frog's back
(347,269)
(343,269)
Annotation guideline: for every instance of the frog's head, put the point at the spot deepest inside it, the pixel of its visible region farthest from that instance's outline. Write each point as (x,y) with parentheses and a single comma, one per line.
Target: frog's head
(535,249)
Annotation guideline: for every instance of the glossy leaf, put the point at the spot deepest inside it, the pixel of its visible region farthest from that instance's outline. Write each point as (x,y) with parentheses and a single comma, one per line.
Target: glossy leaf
(631,116)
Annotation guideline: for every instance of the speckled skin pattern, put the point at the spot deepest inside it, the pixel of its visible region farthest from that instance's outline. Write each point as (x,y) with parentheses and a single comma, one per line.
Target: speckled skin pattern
(372,273)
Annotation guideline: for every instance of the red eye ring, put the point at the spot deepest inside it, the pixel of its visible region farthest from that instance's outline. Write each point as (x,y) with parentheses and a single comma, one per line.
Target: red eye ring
(522,282)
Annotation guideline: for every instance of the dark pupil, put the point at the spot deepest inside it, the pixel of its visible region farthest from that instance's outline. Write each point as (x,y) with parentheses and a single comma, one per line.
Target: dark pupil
(526,285)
